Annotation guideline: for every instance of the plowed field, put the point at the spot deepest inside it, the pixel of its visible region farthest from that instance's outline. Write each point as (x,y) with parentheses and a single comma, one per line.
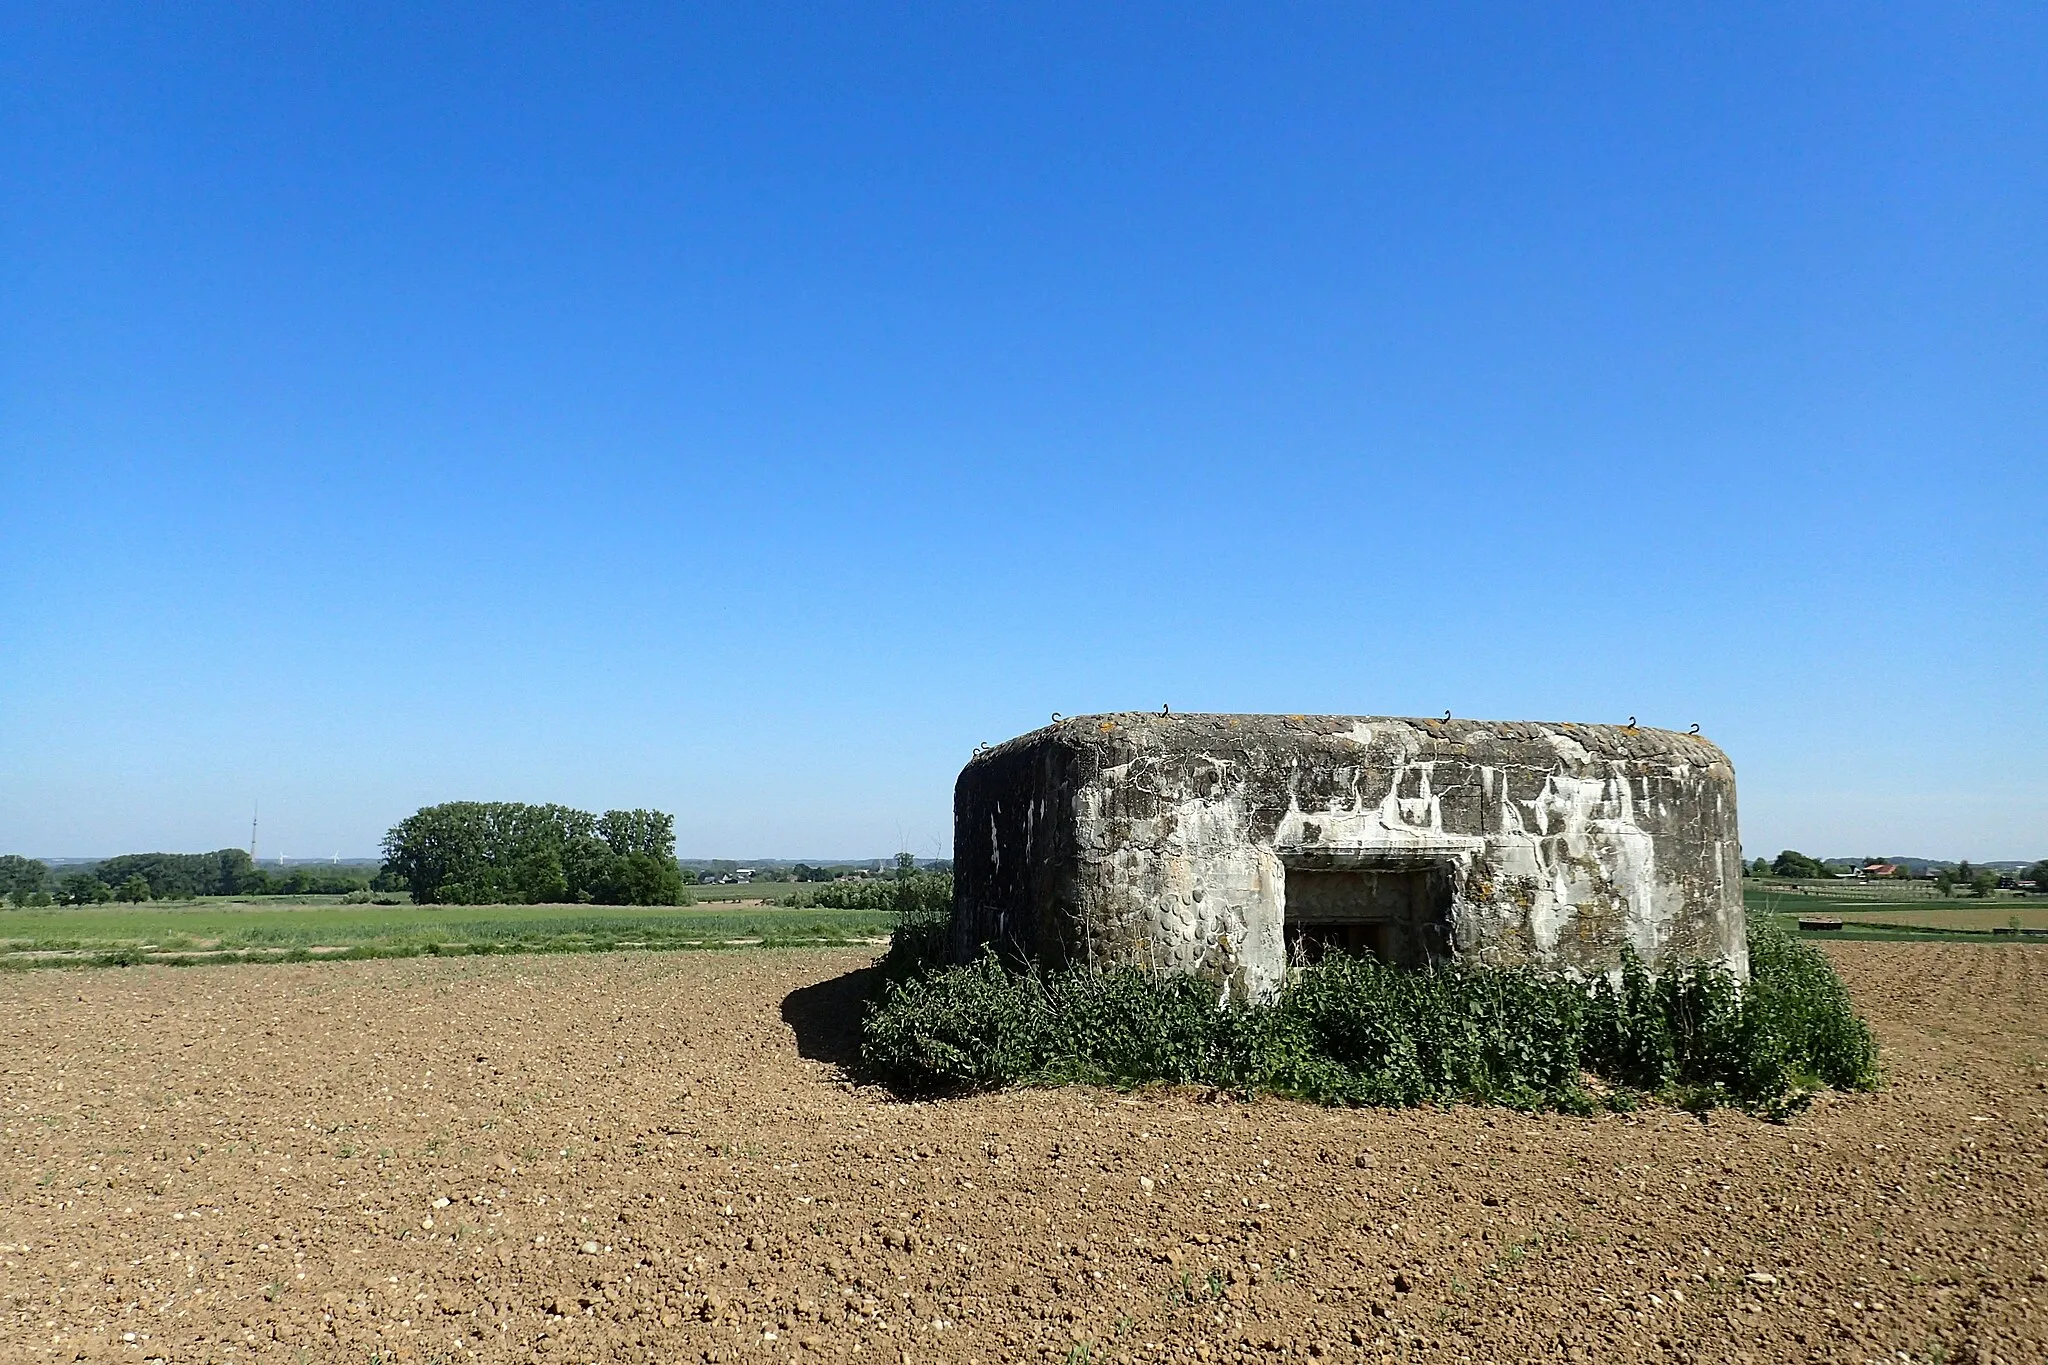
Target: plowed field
(656,1157)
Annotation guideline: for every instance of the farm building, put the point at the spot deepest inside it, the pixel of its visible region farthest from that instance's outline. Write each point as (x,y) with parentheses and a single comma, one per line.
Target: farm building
(1232,846)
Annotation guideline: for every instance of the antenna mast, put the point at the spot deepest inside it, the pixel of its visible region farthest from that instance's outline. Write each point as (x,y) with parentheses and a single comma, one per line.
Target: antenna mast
(254,810)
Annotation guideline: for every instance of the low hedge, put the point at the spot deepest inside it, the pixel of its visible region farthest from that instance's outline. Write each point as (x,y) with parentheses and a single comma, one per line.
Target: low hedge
(1350,1031)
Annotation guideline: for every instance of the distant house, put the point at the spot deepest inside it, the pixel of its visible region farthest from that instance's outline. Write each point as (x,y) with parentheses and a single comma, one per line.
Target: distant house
(1879,870)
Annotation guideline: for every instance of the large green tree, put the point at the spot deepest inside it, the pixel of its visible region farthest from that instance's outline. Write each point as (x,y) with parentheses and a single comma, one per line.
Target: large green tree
(82,888)
(181,876)
(21,878)
(1792,863)
(642,879)
(471,852)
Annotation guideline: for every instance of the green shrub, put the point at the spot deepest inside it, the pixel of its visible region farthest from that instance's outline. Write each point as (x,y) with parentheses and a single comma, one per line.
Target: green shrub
(921,905)
(1355,1032)
(971,1028)
(1360,1032)
(1802,1017)
(919,894)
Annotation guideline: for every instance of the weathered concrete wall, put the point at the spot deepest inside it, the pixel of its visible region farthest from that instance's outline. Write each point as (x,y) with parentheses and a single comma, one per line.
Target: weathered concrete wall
(1168,841)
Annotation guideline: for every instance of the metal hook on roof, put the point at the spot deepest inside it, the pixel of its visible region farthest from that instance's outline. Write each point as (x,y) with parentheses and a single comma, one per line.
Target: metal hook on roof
(1695,728)
(1631,722)
(1447,713)
(1055,718)
(1164,709)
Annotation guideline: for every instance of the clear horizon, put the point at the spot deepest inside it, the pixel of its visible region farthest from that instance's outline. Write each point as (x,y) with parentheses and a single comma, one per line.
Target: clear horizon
(745,413)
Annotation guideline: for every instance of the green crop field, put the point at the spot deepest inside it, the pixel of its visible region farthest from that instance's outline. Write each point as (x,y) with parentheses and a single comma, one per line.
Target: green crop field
(1850,898)
(1991,915)
(745,891)
(1865,915)
(232,930)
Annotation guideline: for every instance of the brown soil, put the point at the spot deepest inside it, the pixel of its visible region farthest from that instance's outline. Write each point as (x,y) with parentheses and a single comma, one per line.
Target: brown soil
(655,1157)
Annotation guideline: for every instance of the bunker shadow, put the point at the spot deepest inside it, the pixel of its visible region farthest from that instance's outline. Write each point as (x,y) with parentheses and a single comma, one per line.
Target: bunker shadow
(826,1018)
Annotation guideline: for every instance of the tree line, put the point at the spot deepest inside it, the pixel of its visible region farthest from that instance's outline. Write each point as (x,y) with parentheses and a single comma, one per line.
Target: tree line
(166,876)
(493,852)
(1796,866)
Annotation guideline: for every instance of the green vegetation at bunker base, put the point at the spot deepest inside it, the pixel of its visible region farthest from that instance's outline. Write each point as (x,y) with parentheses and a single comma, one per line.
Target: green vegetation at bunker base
(1352,1031)
(229,929)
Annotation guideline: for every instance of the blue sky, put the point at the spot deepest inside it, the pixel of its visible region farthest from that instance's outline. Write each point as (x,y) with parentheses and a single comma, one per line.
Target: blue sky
(744,411)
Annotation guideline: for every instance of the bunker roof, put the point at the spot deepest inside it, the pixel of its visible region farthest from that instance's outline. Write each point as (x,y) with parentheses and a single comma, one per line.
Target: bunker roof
(1390,739)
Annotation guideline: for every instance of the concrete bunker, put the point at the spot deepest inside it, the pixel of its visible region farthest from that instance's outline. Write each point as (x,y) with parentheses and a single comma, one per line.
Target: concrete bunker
(1237,847)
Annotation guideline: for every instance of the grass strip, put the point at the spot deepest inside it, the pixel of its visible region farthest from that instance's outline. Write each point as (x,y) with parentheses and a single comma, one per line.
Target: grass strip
(206,934)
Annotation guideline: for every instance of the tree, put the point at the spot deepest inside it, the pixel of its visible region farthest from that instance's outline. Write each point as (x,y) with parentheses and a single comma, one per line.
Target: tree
(21,878)
(82,888)
(495,851)
(134,890)
(541,878)
(1984,881)
(441,850)
(643,879)
(2038,875)
(181,876)
(638,831)
(1944,880)
(906,866)
(1760,868)
(1792,863)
